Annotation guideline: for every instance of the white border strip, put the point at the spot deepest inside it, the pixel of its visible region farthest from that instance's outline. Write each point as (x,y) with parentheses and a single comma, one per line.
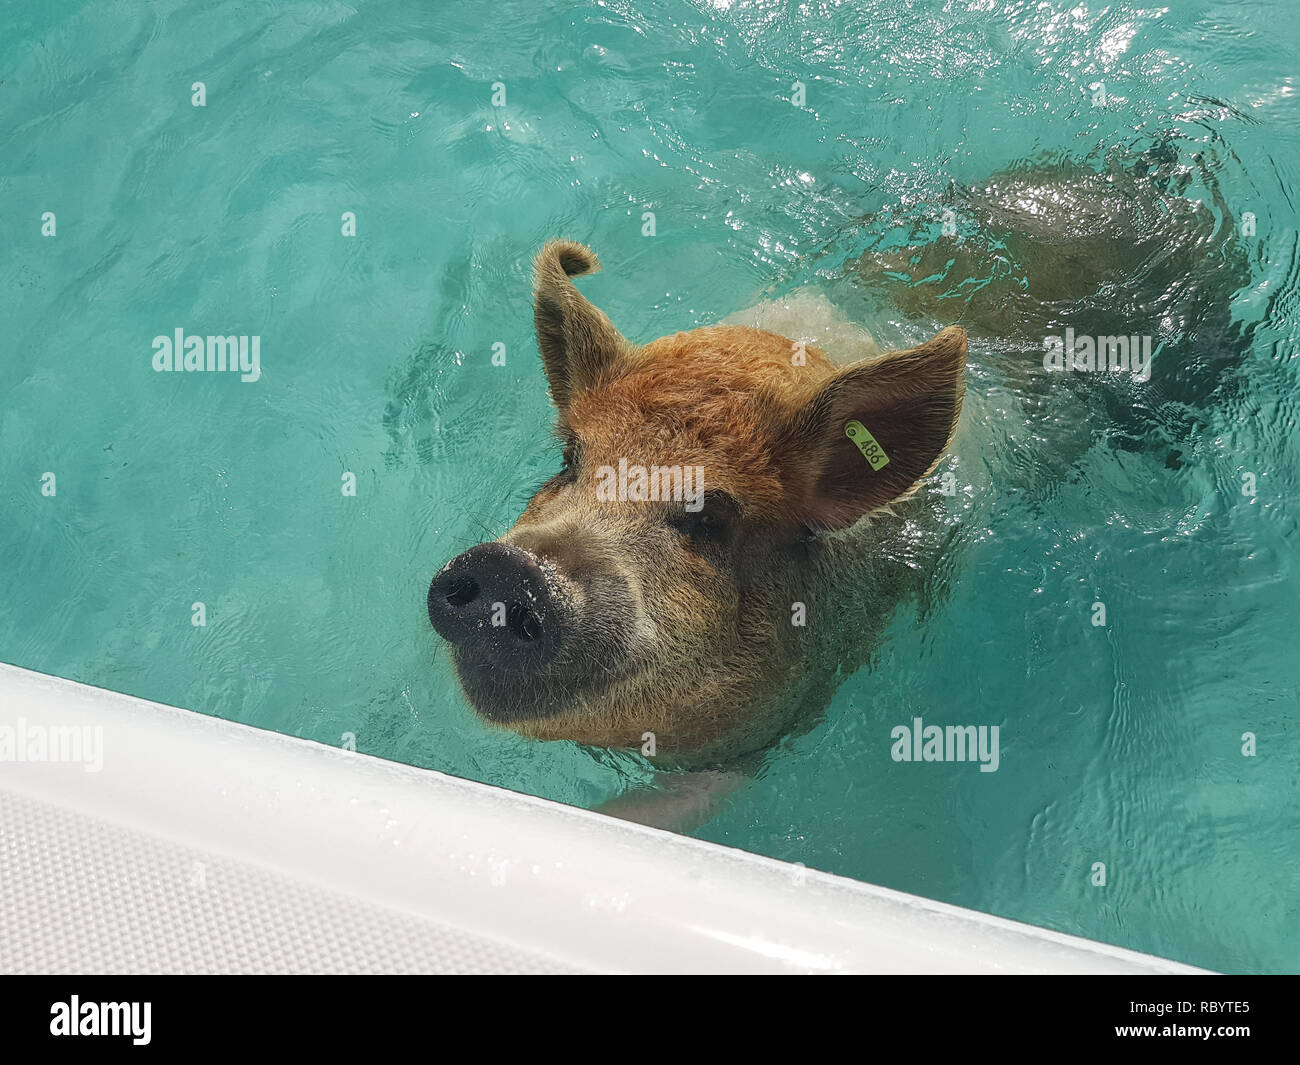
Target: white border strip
(585,890)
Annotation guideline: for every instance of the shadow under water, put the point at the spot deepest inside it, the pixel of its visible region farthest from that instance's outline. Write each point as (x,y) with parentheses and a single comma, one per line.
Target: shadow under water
(1139,246)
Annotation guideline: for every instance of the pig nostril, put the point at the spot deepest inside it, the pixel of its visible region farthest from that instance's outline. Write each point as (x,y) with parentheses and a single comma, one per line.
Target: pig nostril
(463,591)
(523,622)
(497,607)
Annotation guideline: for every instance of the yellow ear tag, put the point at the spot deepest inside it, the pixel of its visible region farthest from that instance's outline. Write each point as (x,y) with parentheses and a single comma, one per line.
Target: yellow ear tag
(867,444)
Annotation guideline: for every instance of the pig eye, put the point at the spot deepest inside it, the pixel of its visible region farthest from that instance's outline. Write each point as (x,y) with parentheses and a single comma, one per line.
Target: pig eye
(569,469)
(713,523)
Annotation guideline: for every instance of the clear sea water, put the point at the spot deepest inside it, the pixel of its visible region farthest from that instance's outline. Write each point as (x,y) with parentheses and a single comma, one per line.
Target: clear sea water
(1120,745)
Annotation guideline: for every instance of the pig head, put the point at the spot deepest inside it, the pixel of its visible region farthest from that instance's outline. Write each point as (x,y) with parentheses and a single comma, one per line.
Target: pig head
(699,605)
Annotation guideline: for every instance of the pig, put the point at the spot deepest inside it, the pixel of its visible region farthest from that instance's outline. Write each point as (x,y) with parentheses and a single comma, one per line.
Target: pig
(715,628)
(717,620)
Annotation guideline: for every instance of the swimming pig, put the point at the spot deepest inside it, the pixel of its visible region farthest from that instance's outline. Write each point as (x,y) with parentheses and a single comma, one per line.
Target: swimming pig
(698,574)
(719,552)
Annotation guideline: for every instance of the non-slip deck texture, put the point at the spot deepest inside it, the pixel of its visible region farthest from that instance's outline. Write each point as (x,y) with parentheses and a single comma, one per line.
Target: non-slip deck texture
(78,895)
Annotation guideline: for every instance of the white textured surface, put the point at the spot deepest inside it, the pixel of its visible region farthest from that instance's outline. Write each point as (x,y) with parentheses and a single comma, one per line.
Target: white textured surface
(81,895)
(207,846)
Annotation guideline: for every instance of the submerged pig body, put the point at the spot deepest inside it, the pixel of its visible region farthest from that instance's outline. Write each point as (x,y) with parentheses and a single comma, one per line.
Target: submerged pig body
(718,619)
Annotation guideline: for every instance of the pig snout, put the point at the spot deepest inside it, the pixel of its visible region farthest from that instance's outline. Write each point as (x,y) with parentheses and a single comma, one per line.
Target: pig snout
(539,624)
(495,605)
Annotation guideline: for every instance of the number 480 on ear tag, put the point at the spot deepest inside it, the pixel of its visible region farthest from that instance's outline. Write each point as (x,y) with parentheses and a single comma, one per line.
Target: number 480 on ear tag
(867,444)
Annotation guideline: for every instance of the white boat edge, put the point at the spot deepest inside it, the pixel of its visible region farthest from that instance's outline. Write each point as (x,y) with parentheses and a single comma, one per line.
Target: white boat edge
(203,845)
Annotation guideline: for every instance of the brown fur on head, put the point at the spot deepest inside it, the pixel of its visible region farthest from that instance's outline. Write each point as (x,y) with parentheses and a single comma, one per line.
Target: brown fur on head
(679,623)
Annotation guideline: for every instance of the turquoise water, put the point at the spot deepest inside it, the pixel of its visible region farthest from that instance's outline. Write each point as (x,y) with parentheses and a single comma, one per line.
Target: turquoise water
(1120,744)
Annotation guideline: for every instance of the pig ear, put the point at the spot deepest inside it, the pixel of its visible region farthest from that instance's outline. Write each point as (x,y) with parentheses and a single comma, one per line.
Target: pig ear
(576,340)
(874,430)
